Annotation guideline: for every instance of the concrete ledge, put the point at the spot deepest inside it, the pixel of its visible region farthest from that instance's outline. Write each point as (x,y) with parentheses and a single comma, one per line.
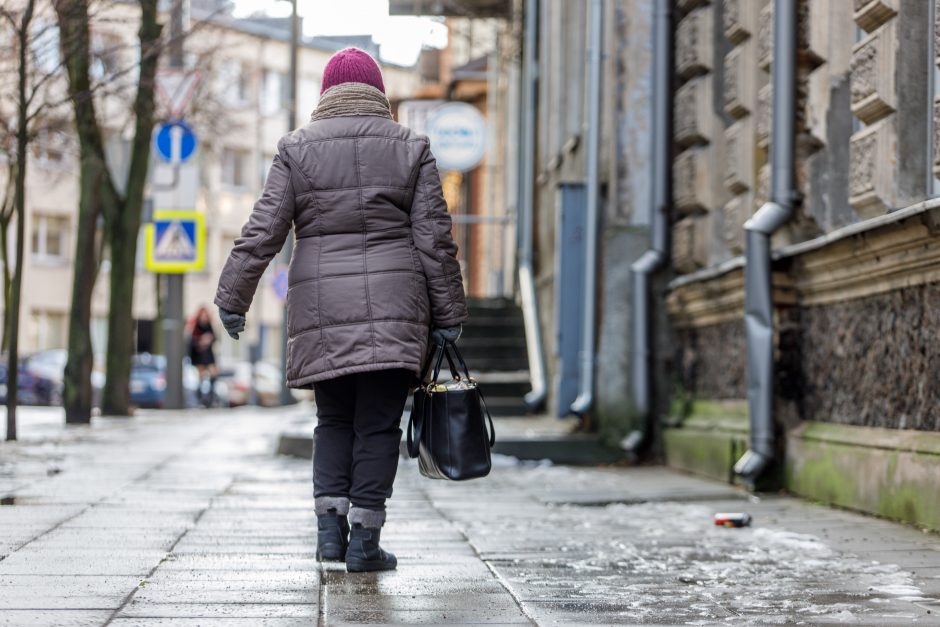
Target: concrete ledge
(709,441)
(570,450)
(295,445)
(891,473)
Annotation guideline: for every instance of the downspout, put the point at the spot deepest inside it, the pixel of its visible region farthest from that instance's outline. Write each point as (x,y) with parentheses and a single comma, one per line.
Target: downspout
(656,257)
(533,331)
(758,285)
(585,396)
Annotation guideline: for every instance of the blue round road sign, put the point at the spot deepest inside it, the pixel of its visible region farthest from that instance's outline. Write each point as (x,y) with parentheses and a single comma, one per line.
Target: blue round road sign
(175,141)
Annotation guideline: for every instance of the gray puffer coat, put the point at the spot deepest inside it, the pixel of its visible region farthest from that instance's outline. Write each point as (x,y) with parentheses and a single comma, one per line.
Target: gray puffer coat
(374,264)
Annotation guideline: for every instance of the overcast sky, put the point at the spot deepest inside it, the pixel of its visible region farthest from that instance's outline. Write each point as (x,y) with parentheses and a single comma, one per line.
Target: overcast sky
(401,37)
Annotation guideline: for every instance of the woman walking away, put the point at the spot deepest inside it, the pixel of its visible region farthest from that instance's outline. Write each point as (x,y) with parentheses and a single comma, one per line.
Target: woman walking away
(374,269)
(201,355)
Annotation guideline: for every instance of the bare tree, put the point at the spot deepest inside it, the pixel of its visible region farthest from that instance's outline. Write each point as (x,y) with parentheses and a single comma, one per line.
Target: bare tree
(123,222)
(7,210)
(22,28)
(16,134)
(100,196)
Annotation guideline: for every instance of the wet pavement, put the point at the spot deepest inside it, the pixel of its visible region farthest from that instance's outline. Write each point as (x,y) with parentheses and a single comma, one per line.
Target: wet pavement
(189,519)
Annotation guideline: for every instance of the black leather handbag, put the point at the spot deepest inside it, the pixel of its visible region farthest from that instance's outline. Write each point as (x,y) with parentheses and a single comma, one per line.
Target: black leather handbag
(447,429)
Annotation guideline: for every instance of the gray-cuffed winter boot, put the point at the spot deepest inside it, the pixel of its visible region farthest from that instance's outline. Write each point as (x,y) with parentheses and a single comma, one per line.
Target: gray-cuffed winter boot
(364,553)
(332,528)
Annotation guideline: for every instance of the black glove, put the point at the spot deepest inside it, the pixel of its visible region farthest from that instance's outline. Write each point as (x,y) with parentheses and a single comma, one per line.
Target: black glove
(234,323)
(449,334)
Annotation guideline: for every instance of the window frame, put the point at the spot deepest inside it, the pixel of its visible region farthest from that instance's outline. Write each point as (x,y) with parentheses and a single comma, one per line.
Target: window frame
(39,235)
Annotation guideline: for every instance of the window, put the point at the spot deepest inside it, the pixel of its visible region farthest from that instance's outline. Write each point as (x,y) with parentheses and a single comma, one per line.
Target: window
(274,93)
(308,96)
(233,167)
(50,238)
(233,83)
(266,161)
(49,147)
(45,45)
(48,329)
(105,61)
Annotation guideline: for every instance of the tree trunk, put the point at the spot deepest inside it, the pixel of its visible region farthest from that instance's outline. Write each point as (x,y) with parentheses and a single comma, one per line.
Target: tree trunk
(19,194)
(7,277)
(97,194)
(7,211)
(115,399)
(123,225)
(77,395)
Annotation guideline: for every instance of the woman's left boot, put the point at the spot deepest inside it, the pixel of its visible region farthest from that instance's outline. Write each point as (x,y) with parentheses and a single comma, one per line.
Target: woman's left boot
(332,528)
(364,553)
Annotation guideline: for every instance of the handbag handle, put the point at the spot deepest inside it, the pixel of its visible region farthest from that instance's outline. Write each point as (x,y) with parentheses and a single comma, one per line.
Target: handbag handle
(415,427)
(416,424)
(486,410)
(439,352)
(453,348)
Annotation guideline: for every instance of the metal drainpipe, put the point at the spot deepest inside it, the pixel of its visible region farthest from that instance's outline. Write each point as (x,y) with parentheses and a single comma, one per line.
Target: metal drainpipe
(533,331)
(585,398)
(656,257)
(758,285)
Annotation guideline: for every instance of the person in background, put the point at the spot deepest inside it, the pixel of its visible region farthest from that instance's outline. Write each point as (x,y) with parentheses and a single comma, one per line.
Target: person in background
(201,339)
(373,273)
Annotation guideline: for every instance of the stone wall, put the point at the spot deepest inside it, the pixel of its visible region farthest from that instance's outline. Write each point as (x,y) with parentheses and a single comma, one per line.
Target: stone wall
(888,67)
(861,102)
(874,361)
(714,132)
(711,360)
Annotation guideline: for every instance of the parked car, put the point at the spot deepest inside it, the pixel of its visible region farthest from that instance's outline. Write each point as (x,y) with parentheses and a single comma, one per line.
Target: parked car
(237,378)
(46,370)
(148,382)
(28,385)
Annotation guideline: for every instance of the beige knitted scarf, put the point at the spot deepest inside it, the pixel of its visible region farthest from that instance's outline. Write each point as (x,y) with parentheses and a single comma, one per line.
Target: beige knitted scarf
(351,99)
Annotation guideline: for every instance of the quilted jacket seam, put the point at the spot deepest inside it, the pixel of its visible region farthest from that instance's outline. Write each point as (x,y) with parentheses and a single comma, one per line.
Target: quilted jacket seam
(365,251)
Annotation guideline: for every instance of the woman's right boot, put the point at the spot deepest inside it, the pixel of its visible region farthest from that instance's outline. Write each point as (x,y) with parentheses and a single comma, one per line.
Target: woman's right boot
(364,553)
(332,528)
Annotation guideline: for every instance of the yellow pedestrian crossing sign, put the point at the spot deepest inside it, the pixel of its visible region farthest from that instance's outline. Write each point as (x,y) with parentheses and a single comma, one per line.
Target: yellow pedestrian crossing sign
(176,242)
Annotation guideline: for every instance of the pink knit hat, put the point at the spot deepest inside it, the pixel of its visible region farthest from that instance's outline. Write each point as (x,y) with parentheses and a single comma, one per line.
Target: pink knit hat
(352,65)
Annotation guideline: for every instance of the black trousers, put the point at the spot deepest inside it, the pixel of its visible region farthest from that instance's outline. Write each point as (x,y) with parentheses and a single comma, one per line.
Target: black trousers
(355,443)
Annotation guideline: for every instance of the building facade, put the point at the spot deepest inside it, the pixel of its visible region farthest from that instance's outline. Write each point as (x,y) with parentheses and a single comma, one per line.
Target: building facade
(853,274)
(854,277)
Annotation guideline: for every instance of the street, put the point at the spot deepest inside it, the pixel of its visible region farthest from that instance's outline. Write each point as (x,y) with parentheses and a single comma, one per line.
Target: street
(189,518)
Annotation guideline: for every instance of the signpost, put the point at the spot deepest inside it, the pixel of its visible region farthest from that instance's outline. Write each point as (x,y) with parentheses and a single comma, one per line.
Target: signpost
(175,87)
(175,142)
(458,136)
(175,242)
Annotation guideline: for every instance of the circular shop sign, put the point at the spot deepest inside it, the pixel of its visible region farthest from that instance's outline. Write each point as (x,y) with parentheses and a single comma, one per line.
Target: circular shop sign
(458,136)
